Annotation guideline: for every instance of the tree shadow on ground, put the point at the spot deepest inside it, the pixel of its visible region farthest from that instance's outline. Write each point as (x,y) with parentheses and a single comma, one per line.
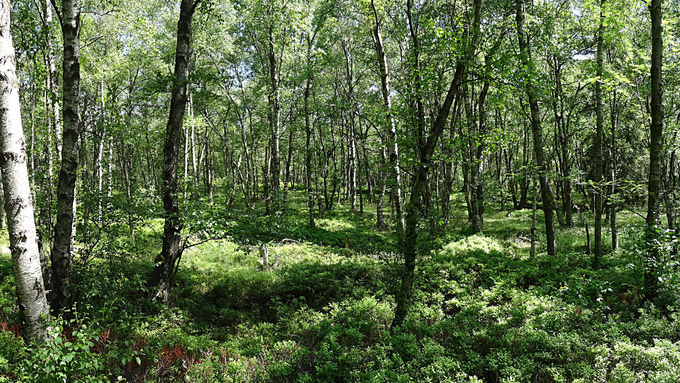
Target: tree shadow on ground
(251,295)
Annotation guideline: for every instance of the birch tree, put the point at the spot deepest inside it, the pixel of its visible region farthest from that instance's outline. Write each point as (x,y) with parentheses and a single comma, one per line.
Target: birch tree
(65,227)
(17,194)
(161,278)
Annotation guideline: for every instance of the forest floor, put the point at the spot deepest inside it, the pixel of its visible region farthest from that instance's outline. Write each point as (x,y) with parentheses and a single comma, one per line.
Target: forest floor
(484,310)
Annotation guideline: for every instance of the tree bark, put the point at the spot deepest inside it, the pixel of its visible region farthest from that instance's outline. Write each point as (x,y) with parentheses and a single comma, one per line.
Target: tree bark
(53,121)
(308,147)
(52,78)
(532,250)
(599,133)
(562,147)
(655,152)
(613,166)
(65,227)
(391,129)
(537,131)
(424,161)
(100,157)
(161,278)
(191,151)
(478,186)
(17,193)
(274,126)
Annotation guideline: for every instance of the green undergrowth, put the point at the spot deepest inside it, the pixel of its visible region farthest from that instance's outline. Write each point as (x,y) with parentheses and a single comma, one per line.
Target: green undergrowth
(484,309)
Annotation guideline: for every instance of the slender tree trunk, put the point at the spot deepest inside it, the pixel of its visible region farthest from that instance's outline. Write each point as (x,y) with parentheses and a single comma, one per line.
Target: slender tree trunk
(588,246)
(599,133)
(655,152)
(185,174)
(150,163)
(351,129)
(380,218)
(562,147)
(45,208)
(537,132)
(53,121)
(87,180)
(477,182)
(109,176)
(409,243)
(470,202)
(472,163)
(52,77)
(195,172)
(3,216)
(415,205)
(100,157)
(161,278)
(370,177)
(353,182)
(478,187)
(250,180)
(512,182)
(209,166)
(391,129)
(534,187)
(308,148)
(449,166)
(64,229)
(613,165)
(360,183)
(289,160)
(669,191)
(17,193)
(500,179)
(274,124)
(417,78)
(123,157)
(524,185)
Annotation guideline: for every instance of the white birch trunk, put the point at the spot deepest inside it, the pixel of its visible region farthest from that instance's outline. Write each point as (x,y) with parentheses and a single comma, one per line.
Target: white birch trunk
(17,192)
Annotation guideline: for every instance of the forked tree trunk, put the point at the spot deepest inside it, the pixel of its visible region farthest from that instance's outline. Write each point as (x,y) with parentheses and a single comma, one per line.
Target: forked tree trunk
(409,242)
(21,223)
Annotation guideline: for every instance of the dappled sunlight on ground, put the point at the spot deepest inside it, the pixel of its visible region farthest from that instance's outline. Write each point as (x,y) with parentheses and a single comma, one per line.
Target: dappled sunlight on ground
(483,309)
